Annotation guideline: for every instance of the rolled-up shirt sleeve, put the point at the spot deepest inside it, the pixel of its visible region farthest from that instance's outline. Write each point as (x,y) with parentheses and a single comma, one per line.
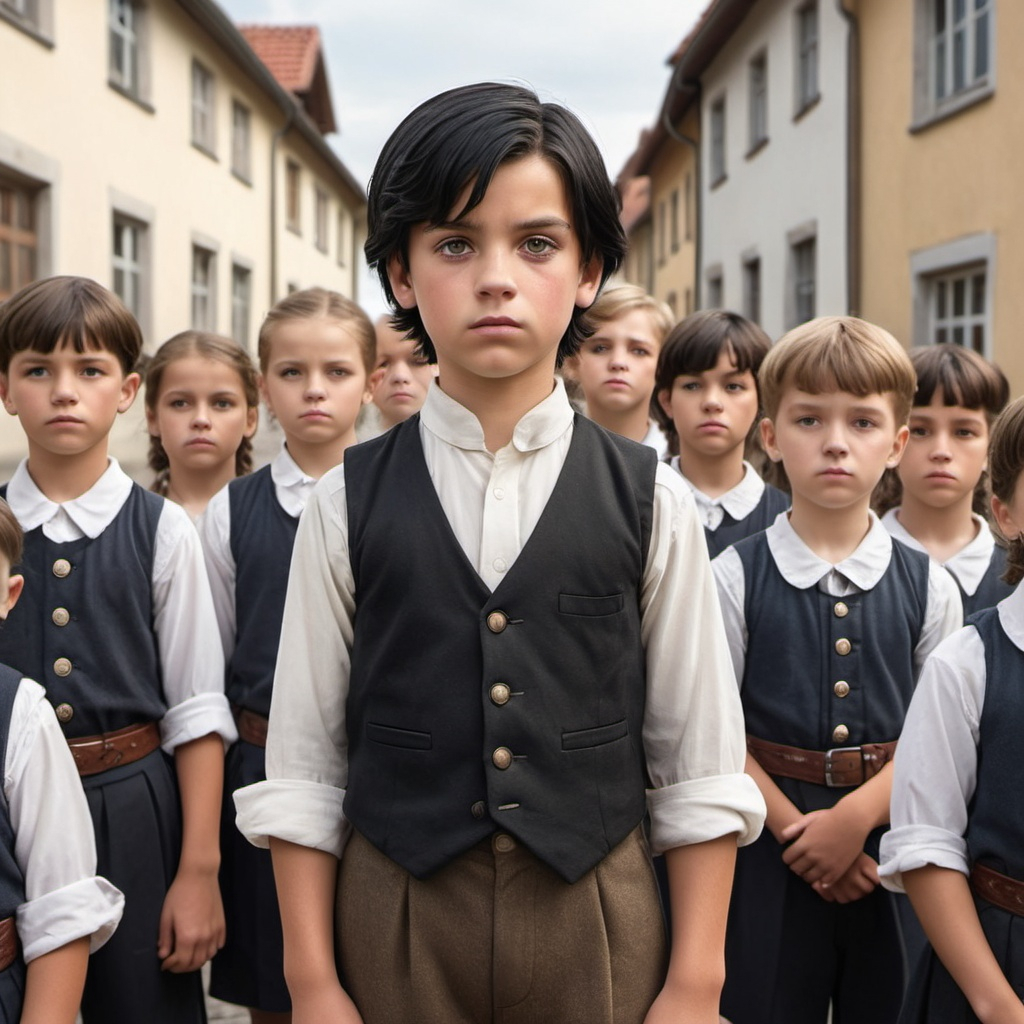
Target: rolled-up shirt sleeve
(693,722)
(54,844)
(936,763)
(301,799)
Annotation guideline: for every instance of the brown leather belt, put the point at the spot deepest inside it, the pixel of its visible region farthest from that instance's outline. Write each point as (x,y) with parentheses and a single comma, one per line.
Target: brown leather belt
(252,727)
(838,768)
(1000,890)
(10,948)
(95,754)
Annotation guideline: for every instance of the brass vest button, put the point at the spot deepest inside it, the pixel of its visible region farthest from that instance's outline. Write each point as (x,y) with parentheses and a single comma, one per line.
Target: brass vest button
(843,646)
(65,712)
(497,621)
(500,694)
(504,843)
(61,568)
(62,666)
(501,758)
(841,610)
(840,734)
(478,809)
(842,688)
(60,616)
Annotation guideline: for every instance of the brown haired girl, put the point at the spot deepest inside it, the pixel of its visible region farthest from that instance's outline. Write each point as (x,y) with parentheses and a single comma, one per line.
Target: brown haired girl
(202,405)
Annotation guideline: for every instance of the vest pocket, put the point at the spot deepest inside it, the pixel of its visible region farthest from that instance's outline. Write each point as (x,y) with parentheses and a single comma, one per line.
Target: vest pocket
(410,739)
(581,739)
(580,604)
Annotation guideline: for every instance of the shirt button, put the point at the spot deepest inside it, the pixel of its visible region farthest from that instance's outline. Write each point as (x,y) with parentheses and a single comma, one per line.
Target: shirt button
(499,493)
(497,621)
(841,610)
(501,758)
(61,568)
(500,565)
(60,616)
(504,843)
(478,809)
(840,734)
(500,693)
(65,712)
(62,666)
(843,646)
(842,688)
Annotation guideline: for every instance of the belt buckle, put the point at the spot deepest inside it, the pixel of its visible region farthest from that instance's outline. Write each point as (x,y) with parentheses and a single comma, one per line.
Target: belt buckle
(828,763)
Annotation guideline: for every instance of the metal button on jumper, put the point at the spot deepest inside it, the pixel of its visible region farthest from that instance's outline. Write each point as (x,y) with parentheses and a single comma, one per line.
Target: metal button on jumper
(842,688)
(478,809)
(501,758)
(840,734)
(497,621)
(65,712)
(61,568)
(841,610)
(62,666)
(60,616)
(504,843)
(843,646)
(500,693)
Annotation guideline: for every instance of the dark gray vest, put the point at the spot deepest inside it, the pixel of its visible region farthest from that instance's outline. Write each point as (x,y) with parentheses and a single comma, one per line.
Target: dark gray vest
(995,822)
(462,720)
(12,882)
(732,531)
(83,627)
(262,538)
(991,590)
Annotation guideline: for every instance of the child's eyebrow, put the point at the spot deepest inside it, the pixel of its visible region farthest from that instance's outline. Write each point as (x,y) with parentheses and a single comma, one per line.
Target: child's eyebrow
(537,224)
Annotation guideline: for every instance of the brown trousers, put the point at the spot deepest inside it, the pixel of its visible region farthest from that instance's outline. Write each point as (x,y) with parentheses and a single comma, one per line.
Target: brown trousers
(496,936)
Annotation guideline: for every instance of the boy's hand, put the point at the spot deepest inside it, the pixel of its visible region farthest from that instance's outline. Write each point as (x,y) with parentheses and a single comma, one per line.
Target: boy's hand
(329,1003)
(192,921)
(860,879)
(824,844)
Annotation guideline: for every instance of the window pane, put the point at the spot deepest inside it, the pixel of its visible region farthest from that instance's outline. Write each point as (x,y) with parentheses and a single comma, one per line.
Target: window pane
(959,60)
(940,299)
(941,336)
(958,335)
(940,15)
(959,296)
(978,339)
(5,268)
(981,46)
(978,294)
(959,11)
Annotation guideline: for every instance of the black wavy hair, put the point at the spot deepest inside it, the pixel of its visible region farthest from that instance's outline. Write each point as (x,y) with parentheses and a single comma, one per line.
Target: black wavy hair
(459,138)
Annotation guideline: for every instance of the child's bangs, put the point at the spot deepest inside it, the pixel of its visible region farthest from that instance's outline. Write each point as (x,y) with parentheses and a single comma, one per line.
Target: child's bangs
(959,377)
(843,365)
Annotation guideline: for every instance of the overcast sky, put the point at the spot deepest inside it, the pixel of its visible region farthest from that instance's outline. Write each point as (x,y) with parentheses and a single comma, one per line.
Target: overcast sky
(606,60)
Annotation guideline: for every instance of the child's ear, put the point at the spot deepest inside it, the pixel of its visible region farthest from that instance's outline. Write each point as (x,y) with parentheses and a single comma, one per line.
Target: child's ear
(590,282)
(5,394)
(664,396)
(768,440)
(15,585)
(401,282)
(261,383)
(129,389)
(151,423)
(899,445)
(252,421)
(1005,519)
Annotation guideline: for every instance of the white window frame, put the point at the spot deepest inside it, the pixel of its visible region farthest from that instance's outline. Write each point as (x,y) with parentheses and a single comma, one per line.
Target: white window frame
(946,262)
(203,284)
(241,301)
(800,285)
(717,171)
(714,287)
(129,262)
(757,72)
(241,141)
(752,286)
(293,196)
(808,56)
(204,108)
(321,215)
(123,18)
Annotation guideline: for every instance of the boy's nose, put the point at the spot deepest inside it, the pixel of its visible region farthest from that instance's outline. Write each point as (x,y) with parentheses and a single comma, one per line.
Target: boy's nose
(64,389)
(712,399)
(400,372)
(495,276)
(316,387)
(836,443)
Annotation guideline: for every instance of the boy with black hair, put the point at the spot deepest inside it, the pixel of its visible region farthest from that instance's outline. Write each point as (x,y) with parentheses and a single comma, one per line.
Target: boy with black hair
(117,622)
(537,637)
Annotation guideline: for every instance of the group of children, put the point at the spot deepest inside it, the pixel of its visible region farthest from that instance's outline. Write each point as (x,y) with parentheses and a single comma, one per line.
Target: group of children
(465,678)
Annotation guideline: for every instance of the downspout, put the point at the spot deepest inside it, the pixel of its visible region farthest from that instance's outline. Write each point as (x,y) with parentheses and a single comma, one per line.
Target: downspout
(666,121)
(853,162)
(274,142)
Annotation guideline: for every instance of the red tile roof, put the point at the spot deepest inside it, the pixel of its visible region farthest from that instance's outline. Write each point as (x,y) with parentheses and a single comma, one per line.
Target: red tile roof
(290,52)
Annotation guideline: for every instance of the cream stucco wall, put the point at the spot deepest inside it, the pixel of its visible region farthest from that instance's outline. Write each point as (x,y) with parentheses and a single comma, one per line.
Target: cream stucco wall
(794,182)
(955,179)
(100,152)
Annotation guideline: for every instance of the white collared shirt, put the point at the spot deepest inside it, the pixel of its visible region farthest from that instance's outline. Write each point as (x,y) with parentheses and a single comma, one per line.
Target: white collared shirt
(738,502)
(936,767)
(693,729)
(802,568)
(292,487)
(968,565)
(54,845)
(656,439)
(183,616)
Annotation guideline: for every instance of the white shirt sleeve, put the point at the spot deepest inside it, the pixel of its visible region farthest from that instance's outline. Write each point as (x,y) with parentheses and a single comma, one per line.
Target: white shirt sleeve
(215,534)
(944,613)
(936,762)
(732,595)
(693,724)
(185,624)
(301,800)
(54,845)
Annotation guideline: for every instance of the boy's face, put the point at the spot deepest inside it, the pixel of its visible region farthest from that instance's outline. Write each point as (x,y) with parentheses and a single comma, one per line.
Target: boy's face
(712,411)
(616,365)
(946,454)
(834,446)
(67,401)
(401,377)
(315,382)
(496,289)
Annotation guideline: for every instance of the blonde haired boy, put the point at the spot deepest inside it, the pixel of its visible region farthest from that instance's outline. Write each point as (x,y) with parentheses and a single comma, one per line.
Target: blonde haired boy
(829,621)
